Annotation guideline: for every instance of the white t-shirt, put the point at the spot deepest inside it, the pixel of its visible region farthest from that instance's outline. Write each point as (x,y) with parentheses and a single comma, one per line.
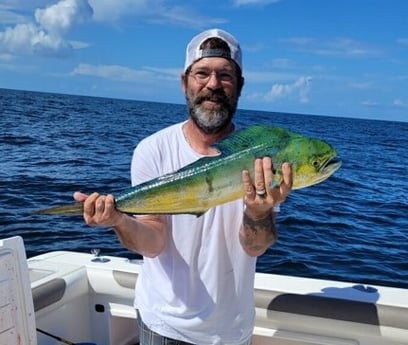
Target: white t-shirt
(200,288)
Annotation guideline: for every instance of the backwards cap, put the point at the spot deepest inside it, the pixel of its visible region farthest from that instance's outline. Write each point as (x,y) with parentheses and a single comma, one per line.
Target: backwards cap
(194,53)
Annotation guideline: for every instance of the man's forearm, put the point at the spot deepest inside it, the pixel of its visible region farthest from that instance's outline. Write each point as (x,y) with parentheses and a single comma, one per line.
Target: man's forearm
(146,236)
(257,234)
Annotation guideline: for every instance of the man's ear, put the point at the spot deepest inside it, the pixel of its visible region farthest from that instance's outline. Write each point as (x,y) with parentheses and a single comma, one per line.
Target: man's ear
(240,85)
(183,79)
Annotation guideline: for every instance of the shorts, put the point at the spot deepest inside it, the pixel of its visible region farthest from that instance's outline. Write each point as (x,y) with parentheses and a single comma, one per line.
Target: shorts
(149,337)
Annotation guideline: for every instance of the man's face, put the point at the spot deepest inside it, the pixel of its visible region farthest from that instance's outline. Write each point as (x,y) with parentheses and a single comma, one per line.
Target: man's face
(212,90)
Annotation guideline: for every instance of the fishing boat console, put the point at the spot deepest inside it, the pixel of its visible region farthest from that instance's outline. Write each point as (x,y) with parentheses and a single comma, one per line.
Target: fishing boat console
(78,298)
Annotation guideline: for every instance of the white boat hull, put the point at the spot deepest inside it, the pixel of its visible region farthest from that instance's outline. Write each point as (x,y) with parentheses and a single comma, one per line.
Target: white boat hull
(81,299)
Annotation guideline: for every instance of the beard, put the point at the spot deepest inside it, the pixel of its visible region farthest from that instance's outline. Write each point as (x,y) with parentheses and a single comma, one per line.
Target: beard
(211,121)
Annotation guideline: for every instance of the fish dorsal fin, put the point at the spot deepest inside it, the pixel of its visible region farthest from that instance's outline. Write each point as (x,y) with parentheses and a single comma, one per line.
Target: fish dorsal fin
(250,137)
(239,140)
(253,138)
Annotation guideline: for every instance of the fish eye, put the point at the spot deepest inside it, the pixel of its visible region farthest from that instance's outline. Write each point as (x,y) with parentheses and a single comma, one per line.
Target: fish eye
(316,164)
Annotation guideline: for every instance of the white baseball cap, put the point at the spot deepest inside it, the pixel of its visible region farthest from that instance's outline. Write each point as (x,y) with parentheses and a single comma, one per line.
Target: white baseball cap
(194,53)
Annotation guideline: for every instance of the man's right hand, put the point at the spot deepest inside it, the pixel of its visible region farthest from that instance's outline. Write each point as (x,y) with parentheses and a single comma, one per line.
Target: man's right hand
(99,210)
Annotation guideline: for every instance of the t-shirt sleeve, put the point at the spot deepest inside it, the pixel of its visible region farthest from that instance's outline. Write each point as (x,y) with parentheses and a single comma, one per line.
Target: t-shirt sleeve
(144,165)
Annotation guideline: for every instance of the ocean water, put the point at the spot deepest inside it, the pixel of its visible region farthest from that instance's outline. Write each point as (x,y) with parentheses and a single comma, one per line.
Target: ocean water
(352,227)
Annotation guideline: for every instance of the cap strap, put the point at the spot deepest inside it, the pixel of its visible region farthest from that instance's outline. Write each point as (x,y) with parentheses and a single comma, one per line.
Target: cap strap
(215,53)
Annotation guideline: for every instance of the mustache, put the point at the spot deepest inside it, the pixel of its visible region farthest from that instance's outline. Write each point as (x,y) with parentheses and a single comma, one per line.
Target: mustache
(213,96)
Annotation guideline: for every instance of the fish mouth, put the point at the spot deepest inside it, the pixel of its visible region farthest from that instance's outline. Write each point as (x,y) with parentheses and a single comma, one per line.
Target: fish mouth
(330,166)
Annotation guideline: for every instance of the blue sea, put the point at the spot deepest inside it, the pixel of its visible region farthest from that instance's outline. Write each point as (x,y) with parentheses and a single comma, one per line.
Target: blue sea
(352,227)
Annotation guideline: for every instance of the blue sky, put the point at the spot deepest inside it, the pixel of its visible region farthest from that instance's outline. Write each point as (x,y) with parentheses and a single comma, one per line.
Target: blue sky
(326,57)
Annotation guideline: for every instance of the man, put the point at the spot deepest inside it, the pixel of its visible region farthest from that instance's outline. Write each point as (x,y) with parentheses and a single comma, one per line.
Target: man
(197,280)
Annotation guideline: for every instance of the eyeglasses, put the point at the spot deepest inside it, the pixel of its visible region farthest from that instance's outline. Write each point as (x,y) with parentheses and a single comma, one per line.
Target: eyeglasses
(202,76)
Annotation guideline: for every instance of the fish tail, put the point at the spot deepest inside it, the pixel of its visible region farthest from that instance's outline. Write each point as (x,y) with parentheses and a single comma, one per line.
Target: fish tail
(62,210)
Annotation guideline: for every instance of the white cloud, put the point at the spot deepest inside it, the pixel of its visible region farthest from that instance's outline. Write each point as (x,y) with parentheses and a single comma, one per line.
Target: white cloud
(6,57)
(60,17)
(113,10)
(125,74)
(46,36)
(362,85)
(184,16)
(79,44)
(111,72)
(30,39)
(400,103)
(370,103)
(299,89)
(403,41)
(340,46)
(254,2)
(8,16)
(267,77)
(396,103)
(282,63)
(153,11)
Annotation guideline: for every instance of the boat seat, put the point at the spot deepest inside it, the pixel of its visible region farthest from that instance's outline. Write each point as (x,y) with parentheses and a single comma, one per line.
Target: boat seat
(17,317)
(335,308)
(48,293)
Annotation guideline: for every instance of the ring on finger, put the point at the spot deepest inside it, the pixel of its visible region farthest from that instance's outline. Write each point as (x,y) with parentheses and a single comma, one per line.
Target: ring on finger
(260,192)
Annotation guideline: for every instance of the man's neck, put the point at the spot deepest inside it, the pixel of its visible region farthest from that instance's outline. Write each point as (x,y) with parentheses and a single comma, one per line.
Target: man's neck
(202,142)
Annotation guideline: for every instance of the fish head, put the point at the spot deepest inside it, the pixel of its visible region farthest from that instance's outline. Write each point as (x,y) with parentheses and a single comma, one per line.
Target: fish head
(312,160)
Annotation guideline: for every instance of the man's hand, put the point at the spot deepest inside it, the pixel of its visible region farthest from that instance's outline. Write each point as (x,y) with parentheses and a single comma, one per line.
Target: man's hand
(260,196)
(99,210)
(258,231)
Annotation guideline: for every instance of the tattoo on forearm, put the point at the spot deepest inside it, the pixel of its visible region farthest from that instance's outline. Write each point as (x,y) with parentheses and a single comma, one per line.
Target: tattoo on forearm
(258,233)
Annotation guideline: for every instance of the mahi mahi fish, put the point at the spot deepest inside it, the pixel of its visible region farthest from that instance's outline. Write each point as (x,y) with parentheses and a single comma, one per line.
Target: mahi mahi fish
(215,180)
